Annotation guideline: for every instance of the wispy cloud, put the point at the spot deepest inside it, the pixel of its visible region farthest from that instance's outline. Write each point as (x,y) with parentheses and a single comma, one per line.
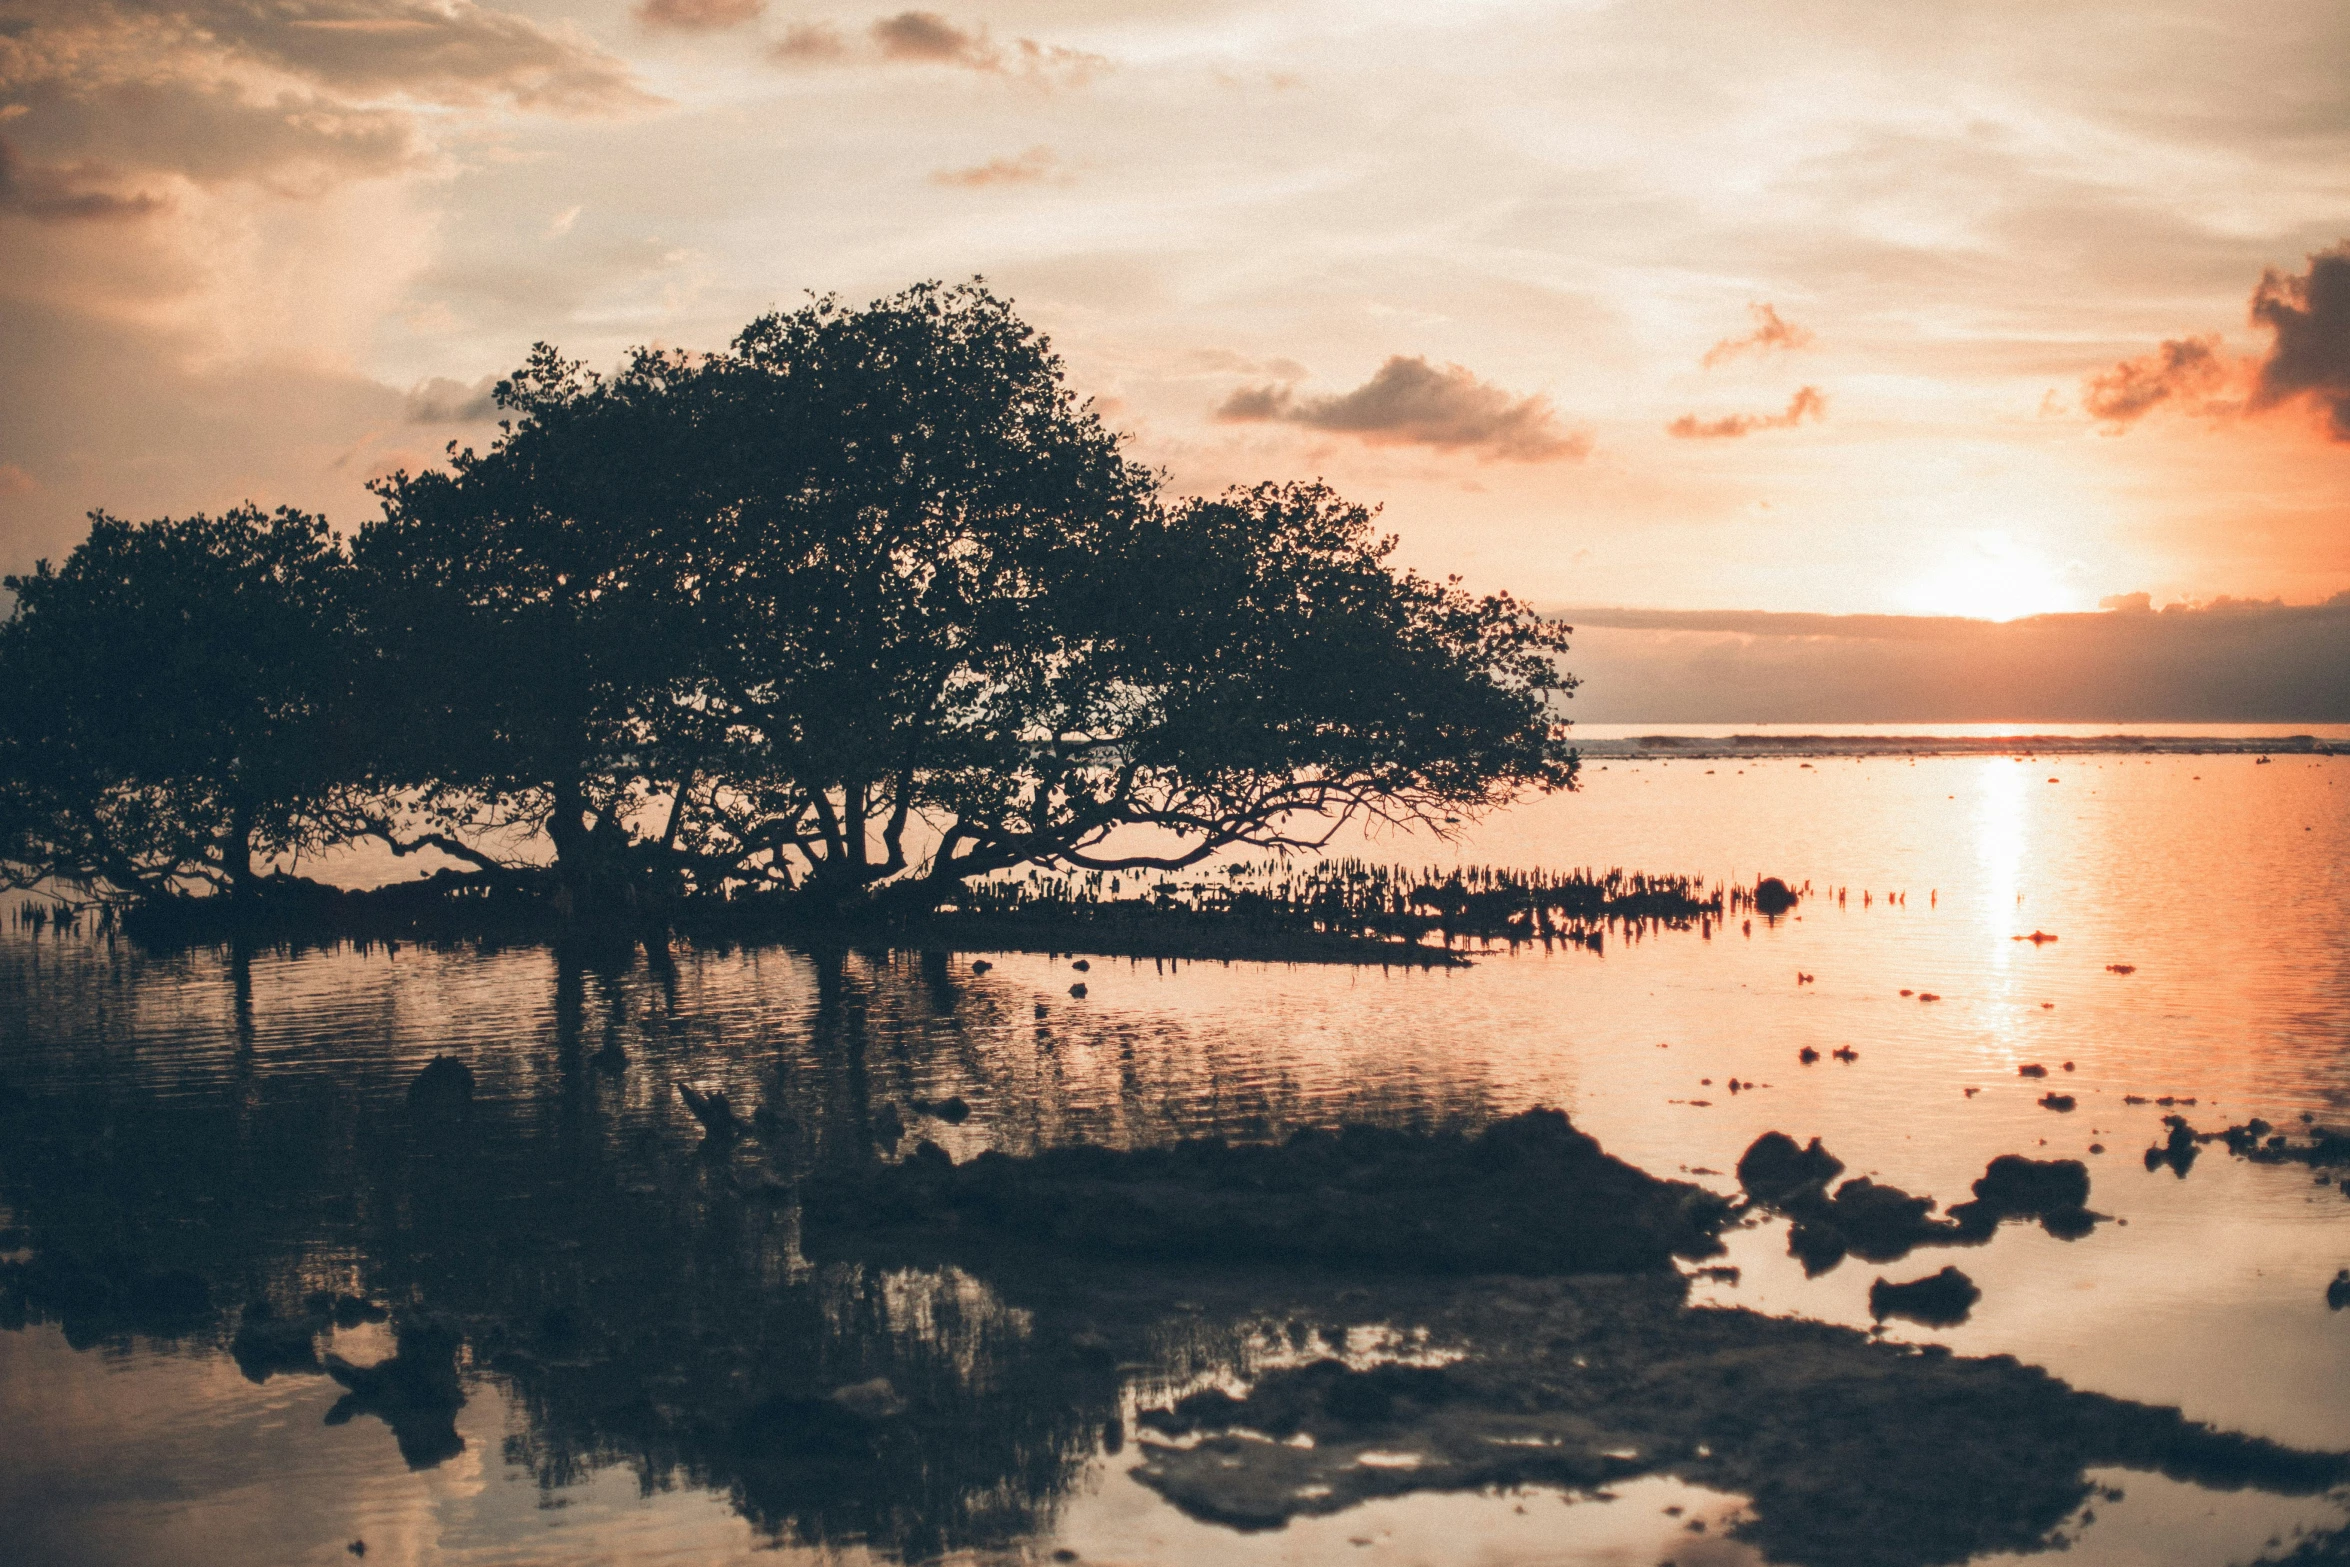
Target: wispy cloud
(1807,403)
(1036,166)
(928,38)
(698,16)
(441,400)
(1409,401)
(81,193)
(2185,373)
(1771,330)
(809,43)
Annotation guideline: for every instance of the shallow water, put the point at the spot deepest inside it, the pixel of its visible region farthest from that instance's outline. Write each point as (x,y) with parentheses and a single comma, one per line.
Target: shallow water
(241,1116)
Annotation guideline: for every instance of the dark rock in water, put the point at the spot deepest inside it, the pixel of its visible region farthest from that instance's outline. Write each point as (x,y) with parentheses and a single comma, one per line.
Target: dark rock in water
(2016,1187)
(1528,1195)
(951,1109)
(980,965)
(1880,1223)
(1874,1222)
(1078,990)
(415,1392)
(1940,1300)
(266,1343)
(444,1087)
(1082,967)
(2338,1292)
(2034,1070)
(1807,1055)
(2178,1150)
(1773,1167)
(1773,896)
(2057,1102)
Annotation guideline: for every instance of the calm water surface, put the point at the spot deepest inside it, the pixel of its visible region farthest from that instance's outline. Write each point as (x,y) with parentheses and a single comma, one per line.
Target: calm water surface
(619,1298)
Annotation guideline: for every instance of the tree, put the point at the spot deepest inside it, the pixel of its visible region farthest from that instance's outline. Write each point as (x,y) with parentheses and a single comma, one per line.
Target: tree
(1252,671)
(909,505)
(870,600)
(522,616)
(953,630)
(171,713)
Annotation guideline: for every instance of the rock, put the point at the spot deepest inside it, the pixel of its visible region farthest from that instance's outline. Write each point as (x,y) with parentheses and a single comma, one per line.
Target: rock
(1807,1055)
(1078,990)
(2338,1292)
(1940,1300)
(1882,1223)
(2178,1150)
(266,1343)
(444,1087)
(980,965)
(2016,1187)
(1774,1168)
(2033,1070)
(2057,1102)
(1082,967)
(1773,897)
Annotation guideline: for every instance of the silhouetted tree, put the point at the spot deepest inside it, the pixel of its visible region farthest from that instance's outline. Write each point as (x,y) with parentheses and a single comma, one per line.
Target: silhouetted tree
(866,604)
(948,628)
(171,705)
(521,613)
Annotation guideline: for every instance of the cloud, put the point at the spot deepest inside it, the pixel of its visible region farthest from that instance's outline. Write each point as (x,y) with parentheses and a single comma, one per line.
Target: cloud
(106,91)
(1807,403)
(2184,373)
(1409,401)
(1771,330)
(66,195)
(927,38)
(2310,358)
(443,401)
(809,43)
(1036,166)
(697,16)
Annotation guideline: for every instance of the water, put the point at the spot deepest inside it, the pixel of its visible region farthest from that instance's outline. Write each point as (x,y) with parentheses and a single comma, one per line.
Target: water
(624,1299)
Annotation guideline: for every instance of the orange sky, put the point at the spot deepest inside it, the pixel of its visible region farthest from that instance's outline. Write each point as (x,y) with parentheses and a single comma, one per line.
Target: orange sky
(1502,266)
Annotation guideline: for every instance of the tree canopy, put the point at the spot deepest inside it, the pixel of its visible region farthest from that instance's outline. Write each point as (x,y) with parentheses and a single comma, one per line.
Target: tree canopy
(173,704)
(865,604)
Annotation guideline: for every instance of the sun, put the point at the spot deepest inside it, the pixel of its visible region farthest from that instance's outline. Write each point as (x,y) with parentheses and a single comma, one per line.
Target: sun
(1990,576)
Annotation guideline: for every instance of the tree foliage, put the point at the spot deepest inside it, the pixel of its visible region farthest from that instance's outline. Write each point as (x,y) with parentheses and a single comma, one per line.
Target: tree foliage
(867,603)
(173,709)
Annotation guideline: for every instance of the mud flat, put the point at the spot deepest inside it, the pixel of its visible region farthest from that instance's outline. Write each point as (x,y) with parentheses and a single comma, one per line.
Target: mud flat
(1849,1450)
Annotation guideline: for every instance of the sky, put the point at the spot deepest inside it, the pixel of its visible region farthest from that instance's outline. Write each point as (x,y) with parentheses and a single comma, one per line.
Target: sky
(1987,308)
